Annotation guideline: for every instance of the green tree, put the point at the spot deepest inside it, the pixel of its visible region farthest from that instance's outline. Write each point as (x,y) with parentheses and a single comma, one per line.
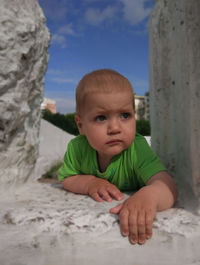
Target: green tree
(65,122)
(143,127)
(70,118)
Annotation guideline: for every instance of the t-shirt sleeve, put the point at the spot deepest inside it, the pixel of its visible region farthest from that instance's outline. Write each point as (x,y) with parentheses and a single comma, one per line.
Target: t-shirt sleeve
(147,162)
(71,163)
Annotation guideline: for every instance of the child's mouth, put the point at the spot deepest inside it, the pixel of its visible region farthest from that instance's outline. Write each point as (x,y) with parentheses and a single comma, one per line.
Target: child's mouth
(114,142)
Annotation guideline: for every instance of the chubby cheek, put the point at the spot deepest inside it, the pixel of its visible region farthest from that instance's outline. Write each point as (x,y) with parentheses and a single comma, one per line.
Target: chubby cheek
(96,143)
(131,132)
(95,137)
(129,139)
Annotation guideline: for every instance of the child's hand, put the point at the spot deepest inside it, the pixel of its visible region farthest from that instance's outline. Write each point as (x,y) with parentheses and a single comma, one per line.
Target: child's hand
(136,215)
(100,189)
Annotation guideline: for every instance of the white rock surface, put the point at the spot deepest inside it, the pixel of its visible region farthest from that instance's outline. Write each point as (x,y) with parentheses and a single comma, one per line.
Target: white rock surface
(24,42)
(174,67)
(52,147)
(43,224)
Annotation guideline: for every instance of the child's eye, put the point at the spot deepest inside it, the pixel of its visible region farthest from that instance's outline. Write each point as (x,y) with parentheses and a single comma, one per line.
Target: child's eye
(125,115)
(100,118)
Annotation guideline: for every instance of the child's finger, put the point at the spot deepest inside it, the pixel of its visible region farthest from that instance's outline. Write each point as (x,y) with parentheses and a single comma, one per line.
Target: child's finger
(124,224)
(141,227)
(116,209)
(115,193)
(149,223)
(96,196)
(105,195)
(133,227)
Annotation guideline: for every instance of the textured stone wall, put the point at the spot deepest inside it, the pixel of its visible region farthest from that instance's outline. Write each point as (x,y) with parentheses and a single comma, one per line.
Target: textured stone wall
(174,65)
(24,42)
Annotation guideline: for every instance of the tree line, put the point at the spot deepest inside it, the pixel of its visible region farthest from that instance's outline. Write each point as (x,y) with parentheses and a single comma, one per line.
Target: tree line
(67,123)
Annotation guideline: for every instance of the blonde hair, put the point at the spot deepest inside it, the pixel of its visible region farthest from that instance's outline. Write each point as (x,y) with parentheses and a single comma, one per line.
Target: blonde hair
(104,80)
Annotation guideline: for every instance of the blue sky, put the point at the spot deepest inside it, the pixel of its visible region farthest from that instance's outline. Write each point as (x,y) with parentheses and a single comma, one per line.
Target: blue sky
(93,34)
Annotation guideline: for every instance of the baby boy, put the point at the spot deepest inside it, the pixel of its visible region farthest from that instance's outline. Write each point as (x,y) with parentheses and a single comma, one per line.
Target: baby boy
(109,157)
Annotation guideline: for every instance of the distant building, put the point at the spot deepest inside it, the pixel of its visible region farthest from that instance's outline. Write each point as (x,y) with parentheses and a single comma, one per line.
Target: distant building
(142,107)
(49,104)
(147,112)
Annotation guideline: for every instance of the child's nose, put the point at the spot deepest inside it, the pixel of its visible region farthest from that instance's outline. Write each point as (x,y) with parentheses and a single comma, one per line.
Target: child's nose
(113,126)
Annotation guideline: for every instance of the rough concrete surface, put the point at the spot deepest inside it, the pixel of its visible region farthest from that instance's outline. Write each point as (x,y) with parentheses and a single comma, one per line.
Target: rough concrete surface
(174,69)
(24,41)
(45,225)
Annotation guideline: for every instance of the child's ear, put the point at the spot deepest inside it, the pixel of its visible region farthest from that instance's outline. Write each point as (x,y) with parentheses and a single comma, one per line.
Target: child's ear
(79,123)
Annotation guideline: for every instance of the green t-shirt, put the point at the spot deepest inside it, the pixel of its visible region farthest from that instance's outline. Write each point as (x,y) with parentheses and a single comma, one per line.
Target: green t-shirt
(129,170)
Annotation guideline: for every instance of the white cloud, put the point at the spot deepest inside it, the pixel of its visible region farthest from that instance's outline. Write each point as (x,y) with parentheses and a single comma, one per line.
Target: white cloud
(65,105)
(134,11)
(67,30)
(61,76)
(61,80)
(59,39)
(92,1)
(95,16)
(55,72)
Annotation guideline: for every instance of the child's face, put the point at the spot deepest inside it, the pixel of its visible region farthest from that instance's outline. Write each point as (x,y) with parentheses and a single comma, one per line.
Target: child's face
(108,122)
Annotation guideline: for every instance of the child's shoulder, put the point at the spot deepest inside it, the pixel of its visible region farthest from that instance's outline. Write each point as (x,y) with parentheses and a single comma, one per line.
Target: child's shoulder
(139,146)
(139,139)
(79,142)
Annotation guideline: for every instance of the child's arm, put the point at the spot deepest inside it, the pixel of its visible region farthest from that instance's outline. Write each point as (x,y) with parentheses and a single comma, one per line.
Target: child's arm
(97,188)
(137,213)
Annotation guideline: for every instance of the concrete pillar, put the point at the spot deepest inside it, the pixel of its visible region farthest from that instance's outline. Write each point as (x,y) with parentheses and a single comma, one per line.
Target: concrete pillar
(174,66)
(24,41)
